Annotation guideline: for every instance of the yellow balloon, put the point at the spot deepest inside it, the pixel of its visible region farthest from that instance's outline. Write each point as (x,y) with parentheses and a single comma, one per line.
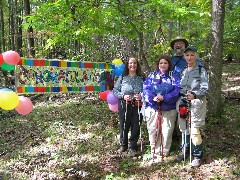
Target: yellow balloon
(8,100)
(117,61)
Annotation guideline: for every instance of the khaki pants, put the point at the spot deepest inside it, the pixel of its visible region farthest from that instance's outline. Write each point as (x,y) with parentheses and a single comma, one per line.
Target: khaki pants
(168,123)
(198,114)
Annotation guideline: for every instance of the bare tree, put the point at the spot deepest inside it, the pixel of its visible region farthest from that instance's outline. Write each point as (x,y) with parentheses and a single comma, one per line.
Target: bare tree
(215,64)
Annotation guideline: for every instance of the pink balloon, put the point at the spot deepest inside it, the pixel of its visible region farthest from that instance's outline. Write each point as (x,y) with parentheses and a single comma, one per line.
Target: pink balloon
(25,105)
(11,57)
(113,107)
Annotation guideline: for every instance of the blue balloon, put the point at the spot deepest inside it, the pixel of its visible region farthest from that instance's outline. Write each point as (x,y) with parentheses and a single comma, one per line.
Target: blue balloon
(6,89)
(119,69)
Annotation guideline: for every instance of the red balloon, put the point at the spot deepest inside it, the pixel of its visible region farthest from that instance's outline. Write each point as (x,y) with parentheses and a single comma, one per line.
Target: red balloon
(25,105)
(1,59)
(103,95)
(11,57)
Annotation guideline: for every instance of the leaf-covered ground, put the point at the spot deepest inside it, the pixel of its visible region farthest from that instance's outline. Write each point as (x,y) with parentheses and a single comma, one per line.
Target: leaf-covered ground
(74,137)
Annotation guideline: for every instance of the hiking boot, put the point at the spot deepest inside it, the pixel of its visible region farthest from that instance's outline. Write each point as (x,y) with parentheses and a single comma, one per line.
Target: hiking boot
(132,153)
(196,162)
(180,156)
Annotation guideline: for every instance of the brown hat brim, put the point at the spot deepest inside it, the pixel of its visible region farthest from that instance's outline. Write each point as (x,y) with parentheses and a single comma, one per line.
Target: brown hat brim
(175,40)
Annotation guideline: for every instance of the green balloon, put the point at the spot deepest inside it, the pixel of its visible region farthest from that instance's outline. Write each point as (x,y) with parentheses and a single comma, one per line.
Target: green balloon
(7,67)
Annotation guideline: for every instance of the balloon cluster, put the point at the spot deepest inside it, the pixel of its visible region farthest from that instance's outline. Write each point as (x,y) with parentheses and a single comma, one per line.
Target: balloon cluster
(8,60)
(111,99)
(119,66)
(108,95)
(10,100)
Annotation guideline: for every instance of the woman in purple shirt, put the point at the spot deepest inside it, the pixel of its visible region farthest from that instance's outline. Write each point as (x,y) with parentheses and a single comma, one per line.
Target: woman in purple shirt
(160,93)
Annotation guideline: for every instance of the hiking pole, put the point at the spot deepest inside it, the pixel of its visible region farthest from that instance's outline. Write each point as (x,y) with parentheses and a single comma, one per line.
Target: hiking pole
(161,134)
(185,143)
(190,128)
(184,114)
(156,136)
(159,129)
(124,121)
(139,119)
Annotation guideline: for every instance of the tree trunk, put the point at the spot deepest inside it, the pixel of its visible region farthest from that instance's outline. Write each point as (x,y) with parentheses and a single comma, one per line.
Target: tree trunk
(143,60)
(215,64)
(18,25)
(11,25)
(2,42)
(31,51)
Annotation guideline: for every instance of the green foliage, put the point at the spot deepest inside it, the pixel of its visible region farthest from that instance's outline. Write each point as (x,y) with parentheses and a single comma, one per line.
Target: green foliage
(231,29)
(65,21)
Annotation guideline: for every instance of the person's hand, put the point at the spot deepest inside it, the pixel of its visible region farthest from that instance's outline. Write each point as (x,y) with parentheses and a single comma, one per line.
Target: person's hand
(127,97)
(190,96)
(138,97)
(158,98)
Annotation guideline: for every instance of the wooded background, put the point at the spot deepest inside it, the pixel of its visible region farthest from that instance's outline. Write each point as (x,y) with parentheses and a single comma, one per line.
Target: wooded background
(101,30)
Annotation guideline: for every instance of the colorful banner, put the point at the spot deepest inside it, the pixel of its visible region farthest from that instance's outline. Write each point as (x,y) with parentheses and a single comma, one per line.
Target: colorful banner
(45,76)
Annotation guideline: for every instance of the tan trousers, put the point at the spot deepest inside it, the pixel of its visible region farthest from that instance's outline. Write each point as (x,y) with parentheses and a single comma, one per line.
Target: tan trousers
(198,114)
(168,123)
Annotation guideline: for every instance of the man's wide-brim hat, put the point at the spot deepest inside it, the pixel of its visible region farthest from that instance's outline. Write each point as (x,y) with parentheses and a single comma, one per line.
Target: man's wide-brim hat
(179,38)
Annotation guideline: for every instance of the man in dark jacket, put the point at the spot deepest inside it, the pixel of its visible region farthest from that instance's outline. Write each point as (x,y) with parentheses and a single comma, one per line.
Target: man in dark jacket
(179,63)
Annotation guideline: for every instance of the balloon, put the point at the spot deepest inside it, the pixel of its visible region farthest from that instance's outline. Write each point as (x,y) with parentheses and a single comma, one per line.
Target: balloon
(11,57)
(113,107)
(103,95)
(7,67)
(8,100)
(117,61)
(1,59)
(119,69)
(5,89)
(111,98)
(24,106)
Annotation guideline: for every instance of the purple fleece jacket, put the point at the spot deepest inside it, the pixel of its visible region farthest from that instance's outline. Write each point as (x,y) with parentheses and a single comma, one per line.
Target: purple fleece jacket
(163,84)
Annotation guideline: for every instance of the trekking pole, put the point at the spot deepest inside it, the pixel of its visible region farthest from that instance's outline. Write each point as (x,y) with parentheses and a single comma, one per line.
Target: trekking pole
(124,121)
(190,139)
(185,143)
(161,134)
(139,119)
(156,136)
(159,129)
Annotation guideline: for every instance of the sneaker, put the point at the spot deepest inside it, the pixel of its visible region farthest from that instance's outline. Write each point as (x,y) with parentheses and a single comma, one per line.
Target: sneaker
(132,153)
(196,162)
(180,156)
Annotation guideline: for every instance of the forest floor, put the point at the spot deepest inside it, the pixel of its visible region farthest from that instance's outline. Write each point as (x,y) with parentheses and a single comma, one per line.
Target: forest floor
(75,136)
